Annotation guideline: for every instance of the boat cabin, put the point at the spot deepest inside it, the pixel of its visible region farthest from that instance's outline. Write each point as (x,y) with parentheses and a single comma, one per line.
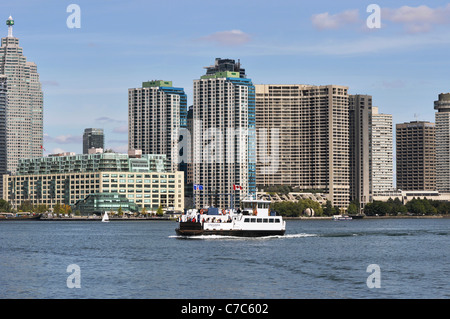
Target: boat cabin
(256,207)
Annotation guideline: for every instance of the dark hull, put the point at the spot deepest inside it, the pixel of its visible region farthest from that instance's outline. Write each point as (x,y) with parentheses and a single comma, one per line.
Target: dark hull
(20,218)
(237,233)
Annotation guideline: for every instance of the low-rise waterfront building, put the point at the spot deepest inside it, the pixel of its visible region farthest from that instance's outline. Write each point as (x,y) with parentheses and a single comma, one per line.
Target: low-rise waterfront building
(68,179)
(99,203)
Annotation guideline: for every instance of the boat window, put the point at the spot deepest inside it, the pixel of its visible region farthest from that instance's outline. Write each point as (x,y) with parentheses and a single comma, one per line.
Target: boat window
(246,220)
(265,220)
(277,220)
(270,220)
(253,220)
(259,220)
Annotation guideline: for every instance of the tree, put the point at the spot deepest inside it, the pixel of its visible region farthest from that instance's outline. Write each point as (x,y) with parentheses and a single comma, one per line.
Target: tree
(329,209)
(120,211)
(160,211)
(5,206)
(352,209)
(57,208)
(25,206)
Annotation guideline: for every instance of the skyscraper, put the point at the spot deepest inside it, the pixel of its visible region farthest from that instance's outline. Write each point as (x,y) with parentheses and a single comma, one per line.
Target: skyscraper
(442,105)
(416,156)
(156,112)
(382,153)
(24,111)
(223,135)
(312,123)
(3,105)
(93,138)
(360,117)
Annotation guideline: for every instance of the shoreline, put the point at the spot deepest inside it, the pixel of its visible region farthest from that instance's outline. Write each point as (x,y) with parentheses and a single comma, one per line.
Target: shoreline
(137,219)
(112,219)
(371,217)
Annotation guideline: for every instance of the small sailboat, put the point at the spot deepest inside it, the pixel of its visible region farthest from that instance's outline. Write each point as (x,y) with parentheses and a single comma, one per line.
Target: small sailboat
(105,217)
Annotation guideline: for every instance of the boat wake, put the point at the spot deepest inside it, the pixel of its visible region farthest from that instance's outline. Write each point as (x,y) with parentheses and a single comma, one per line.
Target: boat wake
(221,237)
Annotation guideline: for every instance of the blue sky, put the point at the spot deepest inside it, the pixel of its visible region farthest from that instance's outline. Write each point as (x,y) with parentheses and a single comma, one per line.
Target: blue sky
(86,71)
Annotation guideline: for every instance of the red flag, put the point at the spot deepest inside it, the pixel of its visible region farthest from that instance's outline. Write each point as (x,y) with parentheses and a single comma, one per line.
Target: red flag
(237,187)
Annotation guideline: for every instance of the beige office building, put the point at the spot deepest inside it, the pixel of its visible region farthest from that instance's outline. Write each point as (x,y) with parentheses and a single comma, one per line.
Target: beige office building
(310,125)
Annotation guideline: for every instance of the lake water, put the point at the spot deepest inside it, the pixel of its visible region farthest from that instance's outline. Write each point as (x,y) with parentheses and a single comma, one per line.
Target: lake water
(145,259)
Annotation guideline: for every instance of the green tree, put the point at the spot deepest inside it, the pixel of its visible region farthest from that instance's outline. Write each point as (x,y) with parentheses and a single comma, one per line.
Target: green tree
(352,209)
(160,211)
(329,209)
(57,208)
(25,206)
(5,206)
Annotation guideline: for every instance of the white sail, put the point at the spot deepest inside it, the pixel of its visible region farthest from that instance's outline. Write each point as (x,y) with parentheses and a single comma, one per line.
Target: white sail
(105,217)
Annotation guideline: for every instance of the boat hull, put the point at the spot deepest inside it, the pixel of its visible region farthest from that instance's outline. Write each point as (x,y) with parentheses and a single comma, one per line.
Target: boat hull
(196,229)
(237,233)
(20,218)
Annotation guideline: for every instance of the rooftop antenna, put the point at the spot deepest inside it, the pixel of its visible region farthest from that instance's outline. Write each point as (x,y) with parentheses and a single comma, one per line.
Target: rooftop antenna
(10,23)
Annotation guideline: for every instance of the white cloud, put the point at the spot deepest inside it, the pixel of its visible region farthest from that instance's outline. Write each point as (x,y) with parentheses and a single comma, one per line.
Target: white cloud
(417,19)
(121,129)
(63,139)
(107,120)
(228,38)
(324,21)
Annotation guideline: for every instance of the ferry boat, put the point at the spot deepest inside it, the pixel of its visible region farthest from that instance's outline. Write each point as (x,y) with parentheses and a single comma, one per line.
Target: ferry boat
(254,220)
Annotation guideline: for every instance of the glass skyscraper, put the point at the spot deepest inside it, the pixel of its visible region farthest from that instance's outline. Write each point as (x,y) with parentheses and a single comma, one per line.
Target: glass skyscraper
(93,138)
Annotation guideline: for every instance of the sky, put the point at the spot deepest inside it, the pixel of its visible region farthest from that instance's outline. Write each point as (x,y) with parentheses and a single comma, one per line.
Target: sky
(86,69)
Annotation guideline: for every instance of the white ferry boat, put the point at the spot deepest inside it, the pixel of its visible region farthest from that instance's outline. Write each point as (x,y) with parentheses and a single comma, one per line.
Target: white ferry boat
(253,221)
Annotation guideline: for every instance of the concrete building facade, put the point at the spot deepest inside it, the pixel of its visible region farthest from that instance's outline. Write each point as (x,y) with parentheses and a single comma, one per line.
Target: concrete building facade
(416,156)
(223,136)
(156,112)
(442,116)
(310,125)
(360,118)
(382,153)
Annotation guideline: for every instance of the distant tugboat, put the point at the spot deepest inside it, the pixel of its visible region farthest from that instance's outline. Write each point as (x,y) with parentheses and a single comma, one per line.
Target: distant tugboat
(253,221)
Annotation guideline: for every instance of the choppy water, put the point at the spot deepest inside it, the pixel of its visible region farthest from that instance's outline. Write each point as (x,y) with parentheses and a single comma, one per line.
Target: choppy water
(315,259)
